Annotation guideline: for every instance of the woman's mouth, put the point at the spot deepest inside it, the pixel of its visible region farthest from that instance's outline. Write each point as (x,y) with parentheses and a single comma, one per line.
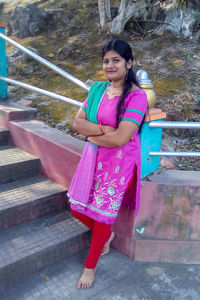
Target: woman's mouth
(111,72)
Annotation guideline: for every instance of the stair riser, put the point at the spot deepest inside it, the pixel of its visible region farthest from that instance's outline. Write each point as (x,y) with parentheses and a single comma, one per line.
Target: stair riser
(19,170)
(4,138)
(32,210)
(43,258)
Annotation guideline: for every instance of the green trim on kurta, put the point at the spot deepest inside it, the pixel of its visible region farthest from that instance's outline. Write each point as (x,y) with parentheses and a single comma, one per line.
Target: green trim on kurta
(92,207)
(83,107)
(95,96)
(132,120)
(101,211)
(135,110)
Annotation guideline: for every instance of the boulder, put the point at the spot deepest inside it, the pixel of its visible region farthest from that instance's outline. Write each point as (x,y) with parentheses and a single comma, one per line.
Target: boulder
(185,22)
(167,16)
(28,20)
(20,61)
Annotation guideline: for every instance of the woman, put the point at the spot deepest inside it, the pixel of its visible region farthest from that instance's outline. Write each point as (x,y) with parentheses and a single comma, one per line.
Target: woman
(110,164)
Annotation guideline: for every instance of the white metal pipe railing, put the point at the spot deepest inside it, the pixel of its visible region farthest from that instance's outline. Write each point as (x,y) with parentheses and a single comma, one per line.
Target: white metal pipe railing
(46,63)
(41,91)
(174,124)
(179,154)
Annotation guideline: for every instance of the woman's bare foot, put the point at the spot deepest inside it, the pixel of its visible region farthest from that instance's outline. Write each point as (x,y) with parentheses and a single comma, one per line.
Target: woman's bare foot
(106,247)
(86,279)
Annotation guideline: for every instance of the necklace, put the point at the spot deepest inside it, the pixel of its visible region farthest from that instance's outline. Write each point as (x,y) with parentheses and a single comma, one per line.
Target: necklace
(114,91)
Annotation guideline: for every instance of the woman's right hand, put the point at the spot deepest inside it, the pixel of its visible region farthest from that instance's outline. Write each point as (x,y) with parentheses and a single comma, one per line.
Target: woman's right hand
(108,129)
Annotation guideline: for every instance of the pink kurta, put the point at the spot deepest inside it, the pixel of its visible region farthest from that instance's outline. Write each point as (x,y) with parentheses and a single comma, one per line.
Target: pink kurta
(114,166)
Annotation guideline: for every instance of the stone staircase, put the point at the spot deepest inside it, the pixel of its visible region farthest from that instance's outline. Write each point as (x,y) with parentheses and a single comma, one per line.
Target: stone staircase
(36,228)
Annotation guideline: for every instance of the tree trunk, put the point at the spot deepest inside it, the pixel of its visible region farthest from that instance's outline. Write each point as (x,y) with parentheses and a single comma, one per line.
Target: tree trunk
(108,12)
(104,12)
(126,10)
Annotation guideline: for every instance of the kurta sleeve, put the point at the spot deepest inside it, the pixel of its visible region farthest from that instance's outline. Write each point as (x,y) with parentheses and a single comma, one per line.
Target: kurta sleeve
(135,107)
(84,105)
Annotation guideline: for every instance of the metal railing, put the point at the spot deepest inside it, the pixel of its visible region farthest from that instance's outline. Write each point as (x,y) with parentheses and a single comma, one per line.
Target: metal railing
(172,125)
(175,153)
(46,63)
(41,91)
(152,124)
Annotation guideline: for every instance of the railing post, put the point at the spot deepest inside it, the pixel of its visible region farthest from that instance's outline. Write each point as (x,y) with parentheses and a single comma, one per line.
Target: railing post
(151,139)
(3,64)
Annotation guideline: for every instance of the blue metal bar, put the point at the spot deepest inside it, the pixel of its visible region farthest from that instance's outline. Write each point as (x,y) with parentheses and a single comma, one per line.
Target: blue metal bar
(3,64)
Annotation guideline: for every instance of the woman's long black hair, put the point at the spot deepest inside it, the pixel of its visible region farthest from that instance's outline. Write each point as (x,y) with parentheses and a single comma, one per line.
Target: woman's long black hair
(124,50)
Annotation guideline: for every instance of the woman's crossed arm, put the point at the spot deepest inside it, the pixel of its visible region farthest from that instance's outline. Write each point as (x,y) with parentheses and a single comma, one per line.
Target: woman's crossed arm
(87,128)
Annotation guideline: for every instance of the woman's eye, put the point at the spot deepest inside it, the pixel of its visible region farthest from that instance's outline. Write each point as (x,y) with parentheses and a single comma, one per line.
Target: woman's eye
(105,62)
(116,60)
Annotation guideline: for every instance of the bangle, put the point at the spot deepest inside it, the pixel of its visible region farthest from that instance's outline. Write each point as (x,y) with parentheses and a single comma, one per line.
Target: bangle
(100,126)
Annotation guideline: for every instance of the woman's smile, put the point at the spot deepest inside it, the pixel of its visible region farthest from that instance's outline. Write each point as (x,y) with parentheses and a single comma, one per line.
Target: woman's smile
(111,71)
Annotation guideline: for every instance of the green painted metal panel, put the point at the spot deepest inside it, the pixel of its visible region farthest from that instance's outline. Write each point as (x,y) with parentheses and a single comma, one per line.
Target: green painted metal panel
(151,139)
(3,67)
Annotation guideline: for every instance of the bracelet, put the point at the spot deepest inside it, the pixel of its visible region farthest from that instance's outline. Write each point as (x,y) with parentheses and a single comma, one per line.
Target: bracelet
(100,126)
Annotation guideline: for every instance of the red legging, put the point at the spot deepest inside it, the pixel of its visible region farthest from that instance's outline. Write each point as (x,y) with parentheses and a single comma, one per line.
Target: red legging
(100,235)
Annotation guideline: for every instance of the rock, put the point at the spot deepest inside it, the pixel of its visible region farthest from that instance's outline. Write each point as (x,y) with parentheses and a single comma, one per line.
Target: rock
(166,16)
(28,20)
(16,57)
(65,51)
(183,22)
(25,102)
(166,163)
(60,19)
(26,70)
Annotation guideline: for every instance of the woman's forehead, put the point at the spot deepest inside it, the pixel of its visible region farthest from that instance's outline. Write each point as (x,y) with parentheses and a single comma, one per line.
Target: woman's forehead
(111,54)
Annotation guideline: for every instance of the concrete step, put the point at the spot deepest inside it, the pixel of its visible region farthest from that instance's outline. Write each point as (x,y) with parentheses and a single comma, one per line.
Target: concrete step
(4,136)
(31,198)
(10,111)
(16,164)
(31,246)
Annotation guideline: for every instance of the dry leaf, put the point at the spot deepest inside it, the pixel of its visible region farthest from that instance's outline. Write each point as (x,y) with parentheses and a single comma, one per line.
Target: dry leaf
(45,277)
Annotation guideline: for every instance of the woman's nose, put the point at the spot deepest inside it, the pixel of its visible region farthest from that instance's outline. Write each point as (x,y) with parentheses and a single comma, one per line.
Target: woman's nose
(110,64)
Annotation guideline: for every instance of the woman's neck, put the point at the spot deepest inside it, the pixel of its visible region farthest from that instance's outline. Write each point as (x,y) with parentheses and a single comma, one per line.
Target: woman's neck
(117,84)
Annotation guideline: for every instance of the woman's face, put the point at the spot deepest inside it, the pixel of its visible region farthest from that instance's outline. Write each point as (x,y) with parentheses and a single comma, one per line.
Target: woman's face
(115,66)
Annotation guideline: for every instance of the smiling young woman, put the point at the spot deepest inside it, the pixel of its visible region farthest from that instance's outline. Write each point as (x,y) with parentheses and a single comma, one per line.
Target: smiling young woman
(110,118)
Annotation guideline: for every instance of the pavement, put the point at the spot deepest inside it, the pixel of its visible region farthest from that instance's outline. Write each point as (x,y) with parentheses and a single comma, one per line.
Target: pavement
(118,278)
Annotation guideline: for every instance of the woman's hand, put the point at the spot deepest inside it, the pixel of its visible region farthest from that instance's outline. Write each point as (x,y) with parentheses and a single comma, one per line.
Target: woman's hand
(117,138)
(107,128)
(87,128)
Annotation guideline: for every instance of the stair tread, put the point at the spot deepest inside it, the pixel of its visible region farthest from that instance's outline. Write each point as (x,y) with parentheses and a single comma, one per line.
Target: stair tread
(23,240)
(11,154)
(2,129)
(27,190)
